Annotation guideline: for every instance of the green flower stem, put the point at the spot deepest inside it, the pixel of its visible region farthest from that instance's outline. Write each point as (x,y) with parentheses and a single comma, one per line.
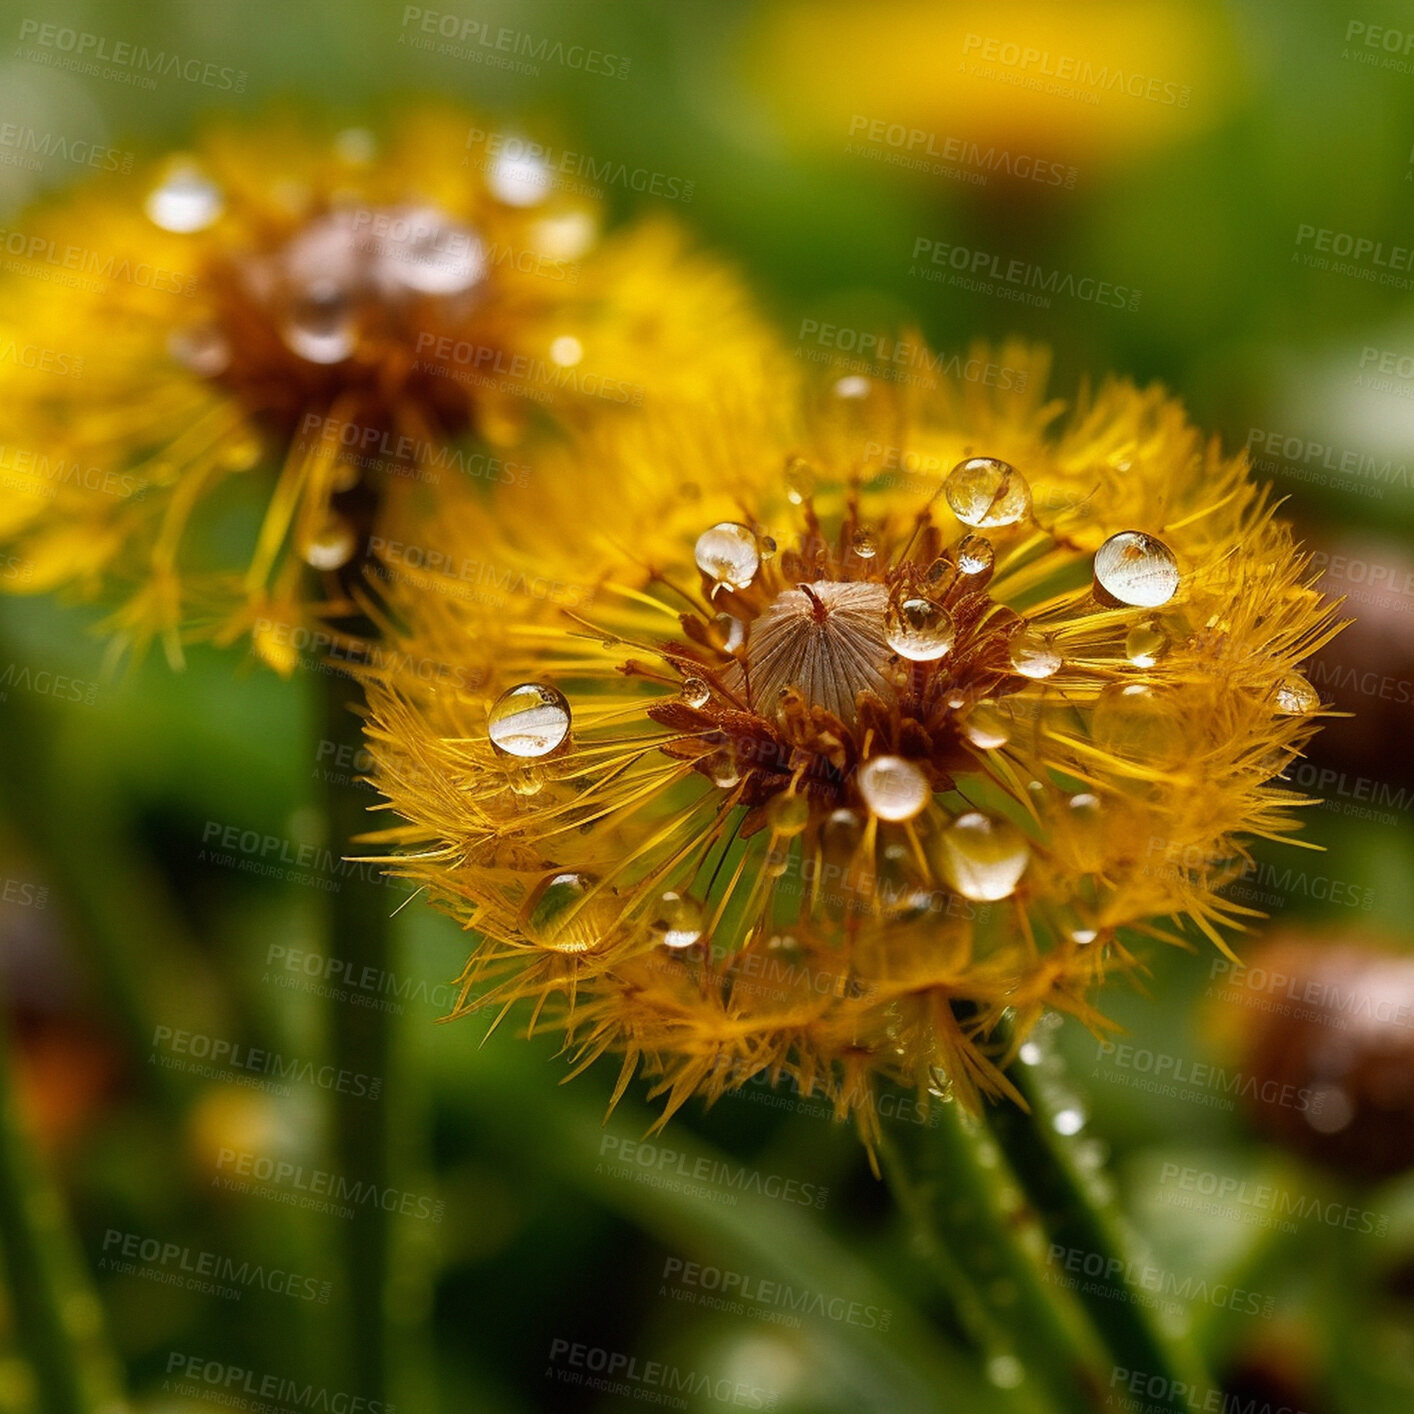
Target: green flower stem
(956,1193)
(56,1314)
(1086,1230)
(360,1040)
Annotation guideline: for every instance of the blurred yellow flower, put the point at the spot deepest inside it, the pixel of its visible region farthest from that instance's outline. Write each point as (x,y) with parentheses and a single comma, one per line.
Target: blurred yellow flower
(841,733)
(315,330)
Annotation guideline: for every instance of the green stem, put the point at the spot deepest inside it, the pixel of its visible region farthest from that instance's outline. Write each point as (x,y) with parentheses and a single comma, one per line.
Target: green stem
(1092,1248)
(956,1193)
(360,1039)
(56,1315)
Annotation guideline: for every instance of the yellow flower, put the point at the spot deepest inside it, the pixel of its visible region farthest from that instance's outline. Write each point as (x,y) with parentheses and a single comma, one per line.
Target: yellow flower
(836,737)
(254,357)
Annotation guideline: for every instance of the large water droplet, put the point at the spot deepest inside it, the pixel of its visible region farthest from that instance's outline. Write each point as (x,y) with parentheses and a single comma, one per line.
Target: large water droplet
(918,629)
(988,725)
(722,770)
(731,632)
(892,788)
(853,386)
(677,920)
(864,543)
(566,351)
(1136,723)
(556,916)
(428,253)
(185,202)
(529,720)
(983,859)
(1296,697)
(334,545)
(1135,568)
(1068,1121)
(320,325)
(728,554)
(695,692)
(519,179)
(1034,655)
(983,491)
(788,813)
(1144,644)
(975,554)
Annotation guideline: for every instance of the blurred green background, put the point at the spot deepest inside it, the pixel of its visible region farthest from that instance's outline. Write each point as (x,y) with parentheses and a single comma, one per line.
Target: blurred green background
(527,1227)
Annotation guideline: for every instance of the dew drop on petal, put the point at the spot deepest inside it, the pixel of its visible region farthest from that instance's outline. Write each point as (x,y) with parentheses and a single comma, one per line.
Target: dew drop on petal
(555,915)
(864,543)
(695,692)
(722,770)
(333,546)
(528,720)
(1068,1121)
(186,201)
(788,813)
(918,629)
(1083,936)
(983,491)
(1135,568)
(974,554)
(892,788)
(1296,697)
(518,179)
(1144,644)
(203,350)
(1034,654)
(1136,723)
(320,324)
(800,481)
(728,554)
(983,859)
(1030,1054)
(840,835)
(565,236)
(429,253)
(566,351)
(731,632)
(767,546)
(988,725)
(525,780)
(854,386)
(677,920)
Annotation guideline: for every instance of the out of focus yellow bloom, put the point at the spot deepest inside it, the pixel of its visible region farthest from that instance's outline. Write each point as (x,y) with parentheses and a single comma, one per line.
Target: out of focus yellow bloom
(315,331)
(833,739)
(1034,92)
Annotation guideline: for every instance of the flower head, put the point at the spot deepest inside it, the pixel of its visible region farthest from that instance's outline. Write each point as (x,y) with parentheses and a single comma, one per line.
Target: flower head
(853,731)
(309,330)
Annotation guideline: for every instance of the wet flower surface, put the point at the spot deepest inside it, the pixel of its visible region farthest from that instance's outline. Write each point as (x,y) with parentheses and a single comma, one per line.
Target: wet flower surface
(830,768)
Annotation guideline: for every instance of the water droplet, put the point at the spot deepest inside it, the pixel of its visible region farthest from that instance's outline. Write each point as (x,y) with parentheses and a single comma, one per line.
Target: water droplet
(556,916)
(722,770)
(731,632)
(1136,723)
(1135,568)
(975,554)
(1030,1054)
(1330,1110)
(333,546)
(185,202)
(892,788)
(918,629)
(983,859)
(566,351)
(1068,1121)
(529,720)
(1144,644)
(1034,654)
(695,692)
(767,546)
(854,386)
(320,326)
(800,481)
(525,780)
(1005,1371)
(565,236)
(940,574)
(728,554)
(202,349)
(1296,697)
(864,543)
(1083,936)
(428,253)
(242,451)
(788,813)
(983,491)
(988,725)
(518,178)
(677,920)
(840,835)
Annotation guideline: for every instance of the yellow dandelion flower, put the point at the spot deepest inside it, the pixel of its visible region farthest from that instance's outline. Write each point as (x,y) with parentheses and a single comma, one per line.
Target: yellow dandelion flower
(854,732)
(307,329)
